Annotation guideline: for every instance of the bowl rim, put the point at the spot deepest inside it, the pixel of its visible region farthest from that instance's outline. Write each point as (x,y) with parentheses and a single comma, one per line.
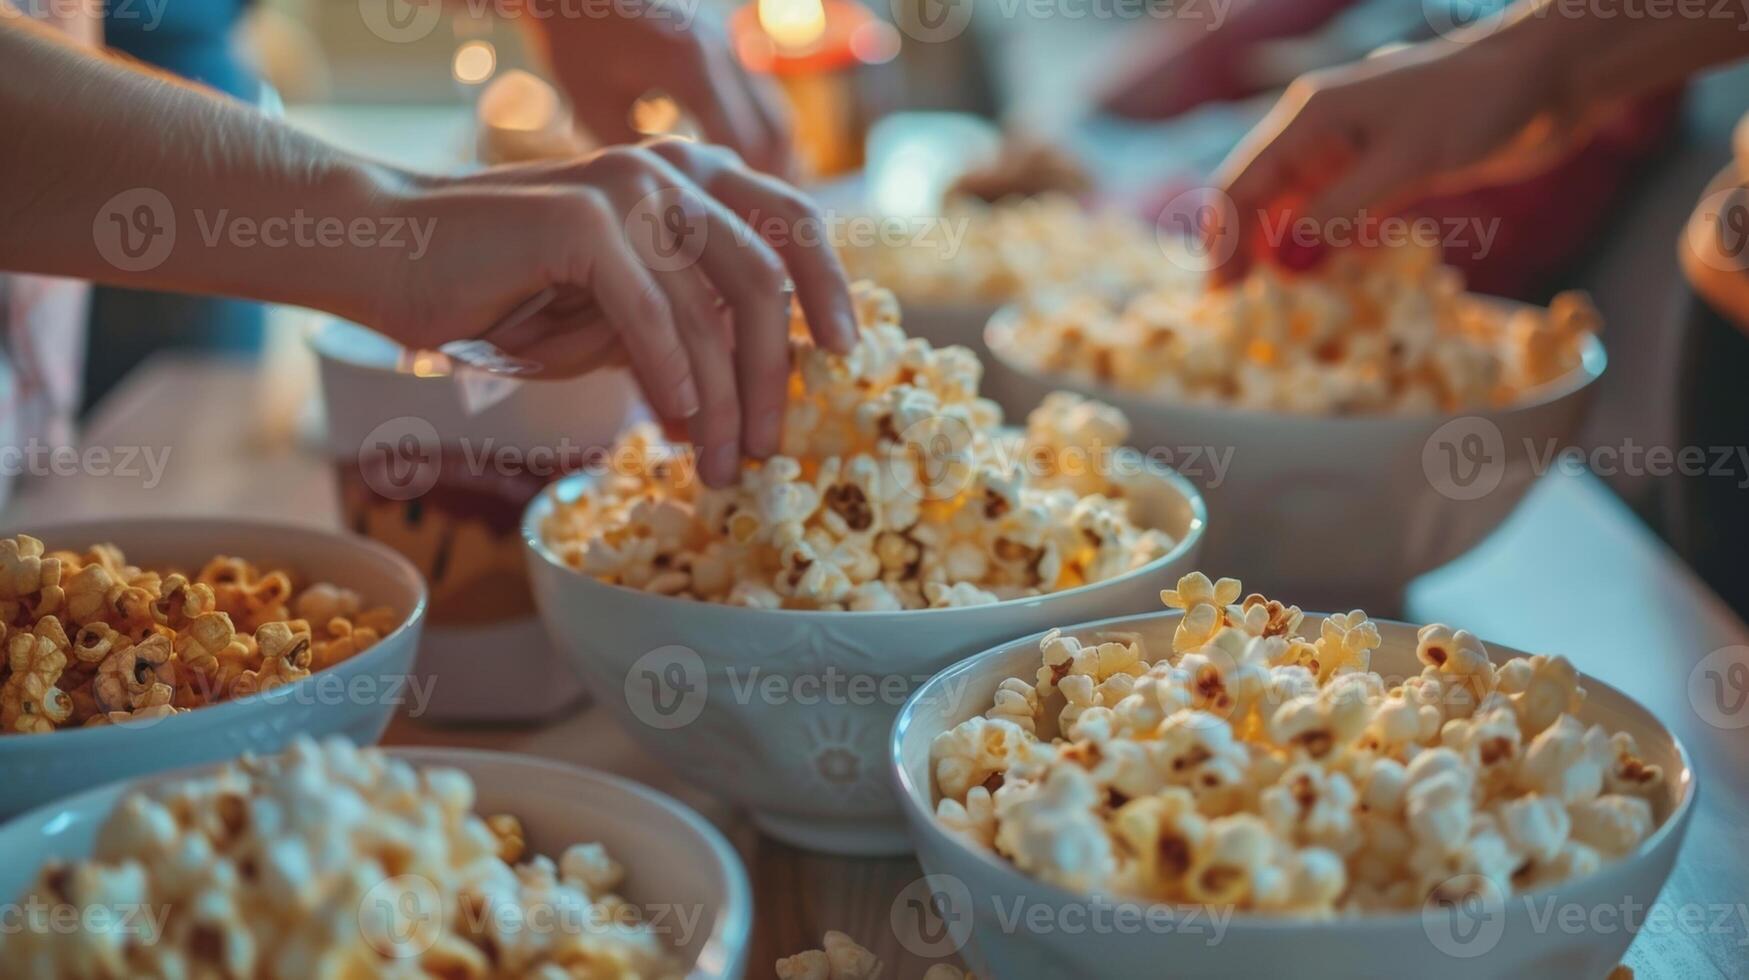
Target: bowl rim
(1593,362)
(542,503)
(732,934)
(728,939)
(918,816)
(217,715)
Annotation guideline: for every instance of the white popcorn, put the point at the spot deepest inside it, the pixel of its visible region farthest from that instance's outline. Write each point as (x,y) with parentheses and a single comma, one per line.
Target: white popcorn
(1384,330)
(1052,832)
(292,866)
(1253,766)
(971,752)
(1536,826)
(1611,823)
(897,488)
(1566,761)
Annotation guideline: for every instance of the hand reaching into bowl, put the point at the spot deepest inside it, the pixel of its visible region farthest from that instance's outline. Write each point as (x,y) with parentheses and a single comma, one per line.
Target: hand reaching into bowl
(1494,102)
(649,252)
(653,259)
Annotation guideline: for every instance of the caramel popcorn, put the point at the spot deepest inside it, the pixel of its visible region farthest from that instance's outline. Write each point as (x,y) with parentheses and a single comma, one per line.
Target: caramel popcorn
(1386,330)
(897,488)
(92,640)
(977,252)
(1254,767)
(329,861)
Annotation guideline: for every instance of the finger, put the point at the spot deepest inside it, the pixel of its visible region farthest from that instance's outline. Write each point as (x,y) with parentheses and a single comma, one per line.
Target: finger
(751,279)
(821,284)
(797,231)
(716,429)
(1250,184)
(639,309)
(1267,164)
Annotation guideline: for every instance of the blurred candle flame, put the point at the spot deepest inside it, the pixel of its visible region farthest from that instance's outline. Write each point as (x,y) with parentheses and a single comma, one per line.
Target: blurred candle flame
(475,61)
(793,24)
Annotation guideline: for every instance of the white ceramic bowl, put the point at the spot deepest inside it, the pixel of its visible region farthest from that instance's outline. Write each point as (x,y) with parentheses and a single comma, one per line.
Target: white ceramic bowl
(1332,510)
(679,867)
(943,323)
(991,902)
(354,698)
(786,712)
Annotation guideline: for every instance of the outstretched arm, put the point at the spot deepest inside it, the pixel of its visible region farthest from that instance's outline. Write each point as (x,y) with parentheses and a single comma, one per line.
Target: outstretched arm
(112,173)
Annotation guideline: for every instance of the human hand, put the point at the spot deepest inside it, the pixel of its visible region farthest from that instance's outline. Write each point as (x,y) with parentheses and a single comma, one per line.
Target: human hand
(606,64)
(1433,118)
(652,258)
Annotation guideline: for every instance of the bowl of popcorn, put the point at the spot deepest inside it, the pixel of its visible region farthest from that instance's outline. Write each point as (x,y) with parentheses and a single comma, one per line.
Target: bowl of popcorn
(1373,416)
(1242,785)
(953,270)
(759,638)
(334,861)
(134,646)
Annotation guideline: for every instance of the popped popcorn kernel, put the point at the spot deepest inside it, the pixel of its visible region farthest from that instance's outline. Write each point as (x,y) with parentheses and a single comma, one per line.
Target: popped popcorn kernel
(1251,765)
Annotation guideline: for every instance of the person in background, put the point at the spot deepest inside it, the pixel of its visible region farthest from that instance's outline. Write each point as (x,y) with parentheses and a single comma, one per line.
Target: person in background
(1495,103)
(107,166)
(604,62)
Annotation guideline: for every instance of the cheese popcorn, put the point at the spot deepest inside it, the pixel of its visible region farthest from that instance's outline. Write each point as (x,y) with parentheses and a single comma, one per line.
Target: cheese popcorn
(331,861)
(92,640)
(1250,765)
(1376,331)
(897,488)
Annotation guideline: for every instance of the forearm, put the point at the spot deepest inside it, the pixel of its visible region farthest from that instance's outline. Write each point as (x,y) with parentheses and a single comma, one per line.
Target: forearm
(113,173)
(1598,52)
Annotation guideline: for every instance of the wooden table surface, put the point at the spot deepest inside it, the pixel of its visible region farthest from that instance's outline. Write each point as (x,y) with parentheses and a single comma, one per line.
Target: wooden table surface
(1572,572)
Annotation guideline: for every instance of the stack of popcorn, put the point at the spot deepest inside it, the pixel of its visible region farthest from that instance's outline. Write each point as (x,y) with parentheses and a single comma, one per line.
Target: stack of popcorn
(328,861)
(1378,330)
(897,488)
(975,252)
(1257,768)
(93,640)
